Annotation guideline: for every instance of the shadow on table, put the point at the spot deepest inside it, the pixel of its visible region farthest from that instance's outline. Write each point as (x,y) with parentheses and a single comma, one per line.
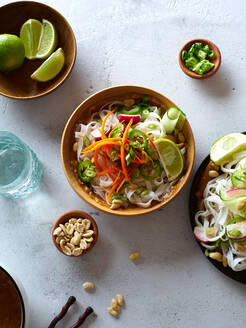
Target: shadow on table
(217,86)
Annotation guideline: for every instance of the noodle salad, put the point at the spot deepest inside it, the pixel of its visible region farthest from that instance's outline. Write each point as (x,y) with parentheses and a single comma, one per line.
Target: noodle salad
(221,222)
(128,154)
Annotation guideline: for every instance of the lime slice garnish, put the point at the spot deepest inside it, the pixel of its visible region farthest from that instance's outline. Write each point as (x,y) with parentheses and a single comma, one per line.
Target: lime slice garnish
(51,67)
(225,147)
(48,40)
(30,35)
(171,157)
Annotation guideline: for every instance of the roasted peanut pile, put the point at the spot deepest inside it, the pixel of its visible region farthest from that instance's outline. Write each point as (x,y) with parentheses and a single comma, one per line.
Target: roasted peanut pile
(74,236)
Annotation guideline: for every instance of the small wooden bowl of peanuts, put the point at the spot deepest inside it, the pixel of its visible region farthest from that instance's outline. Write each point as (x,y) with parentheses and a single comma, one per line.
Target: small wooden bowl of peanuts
(75,233)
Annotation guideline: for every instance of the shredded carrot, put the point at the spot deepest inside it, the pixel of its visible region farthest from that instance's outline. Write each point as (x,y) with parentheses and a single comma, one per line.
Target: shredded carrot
(121,184)
(104,122)
(122,152)
(115,184)
(105,172)
(101,144)
(98,166)
(101,141)
(151,141)
(140,161)
(105,166)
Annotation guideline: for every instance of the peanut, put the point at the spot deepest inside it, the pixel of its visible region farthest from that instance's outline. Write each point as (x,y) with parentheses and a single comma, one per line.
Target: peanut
(134,256)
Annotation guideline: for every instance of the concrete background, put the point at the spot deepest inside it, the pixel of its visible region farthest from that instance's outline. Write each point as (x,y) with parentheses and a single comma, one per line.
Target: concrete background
(173,285)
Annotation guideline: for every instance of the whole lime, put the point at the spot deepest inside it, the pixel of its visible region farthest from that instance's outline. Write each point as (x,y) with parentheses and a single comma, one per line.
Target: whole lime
(12,52)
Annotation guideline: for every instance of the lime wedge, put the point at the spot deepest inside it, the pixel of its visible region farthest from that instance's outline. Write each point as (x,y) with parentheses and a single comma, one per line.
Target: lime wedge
(171,157)
(30,35)
(50,68)
(48,40)
(225,147)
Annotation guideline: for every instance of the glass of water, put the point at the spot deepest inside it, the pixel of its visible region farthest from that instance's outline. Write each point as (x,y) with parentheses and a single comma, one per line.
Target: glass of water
(20,169)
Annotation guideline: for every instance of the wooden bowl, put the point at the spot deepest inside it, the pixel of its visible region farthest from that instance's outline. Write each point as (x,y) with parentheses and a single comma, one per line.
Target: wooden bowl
(83,113)
(216,60)
(18,84)
(75,214)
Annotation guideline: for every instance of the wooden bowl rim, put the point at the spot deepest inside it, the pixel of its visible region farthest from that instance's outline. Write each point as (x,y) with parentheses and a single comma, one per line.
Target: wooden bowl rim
(217,60)
(75,214)
(56,85)
(125,212)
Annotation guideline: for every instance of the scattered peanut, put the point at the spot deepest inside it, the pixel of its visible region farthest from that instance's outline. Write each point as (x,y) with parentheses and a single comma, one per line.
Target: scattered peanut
(181,145)
(75,146)
(116,203)
(214,166)
(213,174)
(74,236)
(114,304)
(216,256)
(134,256)
(88,285)
(129,102)
(112,312)
(181,137)
(224,261)
(120,299)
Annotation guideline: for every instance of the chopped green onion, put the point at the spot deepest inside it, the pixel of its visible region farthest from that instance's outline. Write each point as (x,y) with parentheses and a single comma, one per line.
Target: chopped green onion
(113,156)
(203,67)
(145,192)
(234,233)
(86,141)
(207,252)
(132,153)
(118,196)
(100,120)
(152,126)
(128,159)
(171,118)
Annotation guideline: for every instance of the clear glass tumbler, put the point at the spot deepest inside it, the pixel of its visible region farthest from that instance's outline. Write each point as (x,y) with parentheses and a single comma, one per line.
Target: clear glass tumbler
(20,169)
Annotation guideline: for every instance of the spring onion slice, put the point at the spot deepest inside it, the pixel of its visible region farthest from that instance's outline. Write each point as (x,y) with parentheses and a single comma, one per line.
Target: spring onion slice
(172,118)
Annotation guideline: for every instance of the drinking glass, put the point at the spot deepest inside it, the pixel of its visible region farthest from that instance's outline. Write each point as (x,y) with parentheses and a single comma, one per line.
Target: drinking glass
(20,169)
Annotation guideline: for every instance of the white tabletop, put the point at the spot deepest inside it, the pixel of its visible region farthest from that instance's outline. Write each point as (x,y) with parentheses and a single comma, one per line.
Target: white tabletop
(173,285)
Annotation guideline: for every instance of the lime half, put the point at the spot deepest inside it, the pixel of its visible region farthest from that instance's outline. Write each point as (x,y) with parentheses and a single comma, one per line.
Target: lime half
(171,157)
(225,147)
(30,35)
(48,40)
(51,67)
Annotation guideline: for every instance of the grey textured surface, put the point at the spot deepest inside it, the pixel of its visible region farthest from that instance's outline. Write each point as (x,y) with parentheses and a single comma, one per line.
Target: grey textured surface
(173,285)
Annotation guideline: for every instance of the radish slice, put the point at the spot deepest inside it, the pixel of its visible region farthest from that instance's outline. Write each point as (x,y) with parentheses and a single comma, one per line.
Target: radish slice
(200,235)
(96,134)
(237,230)
(127,118)
(232,193)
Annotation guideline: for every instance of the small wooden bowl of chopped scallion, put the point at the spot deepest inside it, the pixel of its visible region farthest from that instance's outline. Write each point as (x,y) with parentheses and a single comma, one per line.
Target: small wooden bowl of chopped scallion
(199,58)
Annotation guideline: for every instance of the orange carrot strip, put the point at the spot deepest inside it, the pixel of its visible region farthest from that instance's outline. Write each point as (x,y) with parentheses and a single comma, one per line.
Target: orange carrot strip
(105,166)
(104,122)
(98,166)
(106,142)
(151,141)
(101,141)
(122,152)
(121,184)
(105,172)
(114,186)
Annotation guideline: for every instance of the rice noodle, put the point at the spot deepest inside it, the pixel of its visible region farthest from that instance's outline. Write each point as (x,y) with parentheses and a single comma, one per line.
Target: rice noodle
(215,214)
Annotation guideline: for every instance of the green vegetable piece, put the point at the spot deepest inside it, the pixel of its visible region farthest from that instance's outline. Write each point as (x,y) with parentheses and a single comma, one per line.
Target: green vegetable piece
(234,233)
(145,192)
(138,136)
(206,49)
(152,126)
(201,54)
(100,120)
(118,196)
(128,159)
(238,178)
(114,156)
(184,55)
(211,54)
(145,113)
(86,171)
(86,141)
(133,111)
(217,243)
(116,133)
(235,220)
(149,172)
(191,62)
(203,67)
(132,153)
(207,252)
